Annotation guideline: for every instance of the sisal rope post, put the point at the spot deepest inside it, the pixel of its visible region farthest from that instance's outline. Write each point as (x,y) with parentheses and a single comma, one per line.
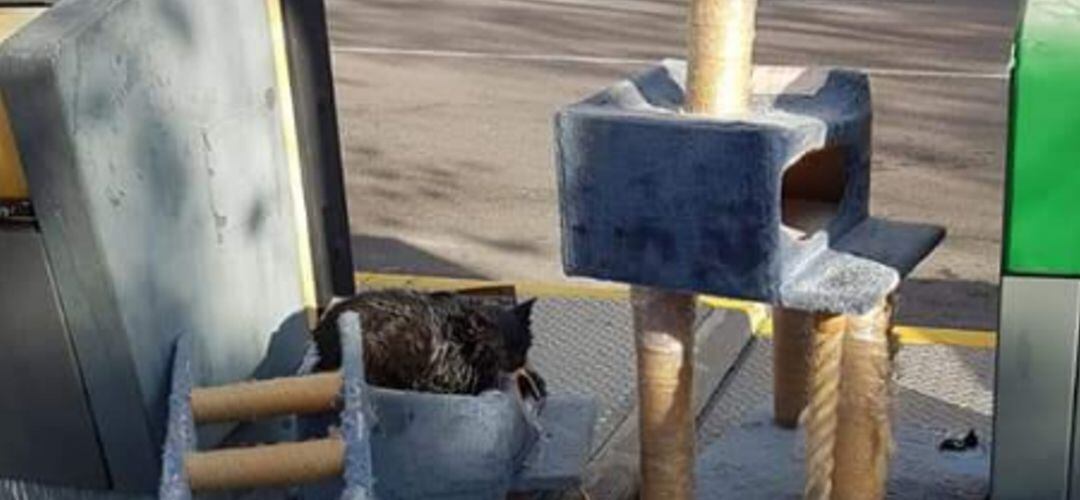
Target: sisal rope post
(791,364)
(265,466)
(864,435)
(824,397)
(719,64)
(250,401)
(721,36)
(663,323)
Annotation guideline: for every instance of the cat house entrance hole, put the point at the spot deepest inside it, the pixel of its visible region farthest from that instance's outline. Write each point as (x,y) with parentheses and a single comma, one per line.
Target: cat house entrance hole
(811,192)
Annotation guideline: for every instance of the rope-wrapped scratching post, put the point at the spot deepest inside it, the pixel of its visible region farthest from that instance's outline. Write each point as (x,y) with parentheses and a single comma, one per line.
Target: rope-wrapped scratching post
(791,364)
(864,437)
(718,83)
(720,61)
(665,353)
(824,397)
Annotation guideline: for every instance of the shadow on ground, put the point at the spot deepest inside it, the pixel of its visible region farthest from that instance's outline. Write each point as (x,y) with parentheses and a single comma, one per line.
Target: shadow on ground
(958,304)
(391,255)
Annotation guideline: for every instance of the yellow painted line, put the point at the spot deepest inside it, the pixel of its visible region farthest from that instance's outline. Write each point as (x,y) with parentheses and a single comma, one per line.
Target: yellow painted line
(292,158)
(983,339)
(757,313)
(600,291)
(920,335)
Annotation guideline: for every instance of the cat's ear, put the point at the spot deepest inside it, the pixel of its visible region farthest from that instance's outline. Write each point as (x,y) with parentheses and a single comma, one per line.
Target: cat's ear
(523,312)
(518,335)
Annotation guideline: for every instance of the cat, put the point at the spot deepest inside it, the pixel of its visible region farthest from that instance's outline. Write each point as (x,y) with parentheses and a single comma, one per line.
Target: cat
(438,342)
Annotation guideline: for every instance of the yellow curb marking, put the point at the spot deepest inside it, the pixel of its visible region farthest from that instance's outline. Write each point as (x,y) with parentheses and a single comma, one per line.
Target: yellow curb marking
(756,312)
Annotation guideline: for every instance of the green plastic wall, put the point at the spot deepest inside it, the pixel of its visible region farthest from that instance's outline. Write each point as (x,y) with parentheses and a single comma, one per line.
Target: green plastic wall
(1042,230)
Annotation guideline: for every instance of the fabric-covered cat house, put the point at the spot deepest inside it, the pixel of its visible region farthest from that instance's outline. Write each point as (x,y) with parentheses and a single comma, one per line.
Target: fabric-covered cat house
(771,206)
(362,438)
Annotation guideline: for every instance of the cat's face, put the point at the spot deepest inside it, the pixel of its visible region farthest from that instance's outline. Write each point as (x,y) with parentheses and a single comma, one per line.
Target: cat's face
(515,324)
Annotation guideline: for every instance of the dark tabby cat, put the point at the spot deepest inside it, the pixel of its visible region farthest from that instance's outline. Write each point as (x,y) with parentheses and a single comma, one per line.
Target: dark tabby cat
(436,342)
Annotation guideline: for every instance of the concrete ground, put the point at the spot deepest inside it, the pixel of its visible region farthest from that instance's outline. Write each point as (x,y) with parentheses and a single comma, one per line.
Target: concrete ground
(446,109)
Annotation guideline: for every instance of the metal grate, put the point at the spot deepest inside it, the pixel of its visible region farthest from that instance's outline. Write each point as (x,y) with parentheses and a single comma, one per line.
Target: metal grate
(940,391)
(946,388)
(748,387)
(586,347)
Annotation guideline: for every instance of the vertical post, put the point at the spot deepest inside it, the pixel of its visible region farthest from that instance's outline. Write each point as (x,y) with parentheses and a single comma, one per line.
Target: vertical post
(721,40)
(863,433)
(304,259)
(792,337)
(663,324)
(823,403)
(721,36)
(848,434)
(312,82)
(359,472)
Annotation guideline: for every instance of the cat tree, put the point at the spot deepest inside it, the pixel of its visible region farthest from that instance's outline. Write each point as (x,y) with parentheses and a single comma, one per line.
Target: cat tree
(698,177)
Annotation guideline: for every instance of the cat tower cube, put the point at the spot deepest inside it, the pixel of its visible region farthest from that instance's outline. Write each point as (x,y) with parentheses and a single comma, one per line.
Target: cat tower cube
(694,177)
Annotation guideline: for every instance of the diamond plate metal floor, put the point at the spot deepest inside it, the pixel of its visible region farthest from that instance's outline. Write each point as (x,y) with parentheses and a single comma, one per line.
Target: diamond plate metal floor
(946,388)
(586,346)
(941,391)
(582,344)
